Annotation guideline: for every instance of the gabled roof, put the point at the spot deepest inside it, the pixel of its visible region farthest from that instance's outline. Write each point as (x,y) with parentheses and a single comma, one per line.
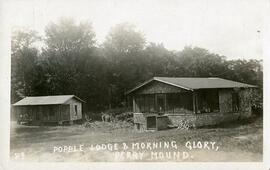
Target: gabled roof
(45,100)
(193,83)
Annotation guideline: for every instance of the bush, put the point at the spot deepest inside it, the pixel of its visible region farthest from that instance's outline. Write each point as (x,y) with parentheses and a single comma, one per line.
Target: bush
(121,113)
(117,111)
(126,116)
(107,126)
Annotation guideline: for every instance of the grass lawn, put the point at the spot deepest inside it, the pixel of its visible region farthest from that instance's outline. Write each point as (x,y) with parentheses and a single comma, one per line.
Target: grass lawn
(238,141)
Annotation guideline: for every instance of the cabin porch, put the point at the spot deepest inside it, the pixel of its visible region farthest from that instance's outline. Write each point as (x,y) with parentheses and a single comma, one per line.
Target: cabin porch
(39,114)
(198,108)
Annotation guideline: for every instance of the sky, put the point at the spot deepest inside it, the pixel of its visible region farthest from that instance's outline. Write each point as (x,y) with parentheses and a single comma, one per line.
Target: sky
(232,28)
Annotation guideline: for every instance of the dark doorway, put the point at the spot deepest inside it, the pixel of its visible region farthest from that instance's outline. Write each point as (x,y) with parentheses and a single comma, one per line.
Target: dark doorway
(151,122)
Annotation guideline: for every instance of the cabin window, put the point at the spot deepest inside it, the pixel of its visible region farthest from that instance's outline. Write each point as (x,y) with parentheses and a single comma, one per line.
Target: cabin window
(164,103)
(150,103)
(179,103)
(160,105)
(51,113)
(171,102)
(37,113)
(208,101)
(76,110)
(145,103)
(37,116)
(140,103)
(235,101)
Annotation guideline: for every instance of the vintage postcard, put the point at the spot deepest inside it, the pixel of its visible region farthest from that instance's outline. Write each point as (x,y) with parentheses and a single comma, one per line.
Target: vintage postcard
(135,81)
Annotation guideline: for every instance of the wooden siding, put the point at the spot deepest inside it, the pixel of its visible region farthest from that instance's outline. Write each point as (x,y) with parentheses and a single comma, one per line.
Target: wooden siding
(64,112)
(159,87)
(75,114)
(39,113)
(72,110)
(225,100)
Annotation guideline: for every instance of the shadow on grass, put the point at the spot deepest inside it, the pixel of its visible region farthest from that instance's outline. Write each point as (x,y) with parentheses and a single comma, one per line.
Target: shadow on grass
(253,121)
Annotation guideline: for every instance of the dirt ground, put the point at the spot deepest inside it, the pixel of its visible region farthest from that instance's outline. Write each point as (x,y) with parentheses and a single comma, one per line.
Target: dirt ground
(104,141)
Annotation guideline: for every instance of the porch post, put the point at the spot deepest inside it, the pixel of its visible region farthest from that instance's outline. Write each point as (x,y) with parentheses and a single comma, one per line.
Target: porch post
(194,97)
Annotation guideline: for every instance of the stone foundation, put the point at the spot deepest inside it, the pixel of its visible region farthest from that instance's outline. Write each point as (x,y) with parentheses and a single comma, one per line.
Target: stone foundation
(205,119)
(193,120)
(140,121)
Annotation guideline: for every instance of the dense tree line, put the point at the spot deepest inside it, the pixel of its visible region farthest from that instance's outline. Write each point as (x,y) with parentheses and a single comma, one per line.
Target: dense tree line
(70,61)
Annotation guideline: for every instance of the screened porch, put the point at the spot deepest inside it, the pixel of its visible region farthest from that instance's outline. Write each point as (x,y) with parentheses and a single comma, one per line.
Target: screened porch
(201,101)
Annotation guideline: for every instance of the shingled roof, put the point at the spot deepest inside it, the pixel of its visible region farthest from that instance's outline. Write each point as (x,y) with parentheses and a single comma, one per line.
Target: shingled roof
(46,100)
(193,83)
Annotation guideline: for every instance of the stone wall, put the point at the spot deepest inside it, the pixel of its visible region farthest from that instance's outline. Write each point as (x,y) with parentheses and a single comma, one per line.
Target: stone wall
(194,120)
(139,121)
(245,102)
(205,119)
(176,119)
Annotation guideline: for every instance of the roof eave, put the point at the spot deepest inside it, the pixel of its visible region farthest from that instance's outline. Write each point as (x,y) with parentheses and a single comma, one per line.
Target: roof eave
(79,99)
(137,87)
(73,96)
(155,78)
(227,87)
(36,104)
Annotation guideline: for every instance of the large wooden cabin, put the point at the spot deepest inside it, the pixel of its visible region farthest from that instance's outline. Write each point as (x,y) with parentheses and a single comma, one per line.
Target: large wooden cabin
(200,101)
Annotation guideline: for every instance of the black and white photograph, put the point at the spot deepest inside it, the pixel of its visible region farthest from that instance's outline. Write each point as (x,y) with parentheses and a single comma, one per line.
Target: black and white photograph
(92,81)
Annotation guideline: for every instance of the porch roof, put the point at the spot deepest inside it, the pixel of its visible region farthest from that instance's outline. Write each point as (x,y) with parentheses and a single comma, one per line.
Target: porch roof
(193,83)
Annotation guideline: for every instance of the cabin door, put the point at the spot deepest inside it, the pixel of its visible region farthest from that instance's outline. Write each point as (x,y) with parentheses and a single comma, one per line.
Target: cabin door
(160,107)
(151,122)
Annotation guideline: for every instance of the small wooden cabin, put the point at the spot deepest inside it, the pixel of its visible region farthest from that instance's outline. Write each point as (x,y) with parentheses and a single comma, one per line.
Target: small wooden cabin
(48,109)
(161,101)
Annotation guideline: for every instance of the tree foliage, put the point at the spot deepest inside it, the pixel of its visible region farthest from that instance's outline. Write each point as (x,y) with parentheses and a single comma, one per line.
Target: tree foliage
(71,62)
(23,64)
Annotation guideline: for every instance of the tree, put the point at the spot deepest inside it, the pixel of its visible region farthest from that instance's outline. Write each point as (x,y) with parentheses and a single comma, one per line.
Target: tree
(198,62)
(72,61)
(124,39)
(247,71)
(123,49)
(24,56)
(158,61)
